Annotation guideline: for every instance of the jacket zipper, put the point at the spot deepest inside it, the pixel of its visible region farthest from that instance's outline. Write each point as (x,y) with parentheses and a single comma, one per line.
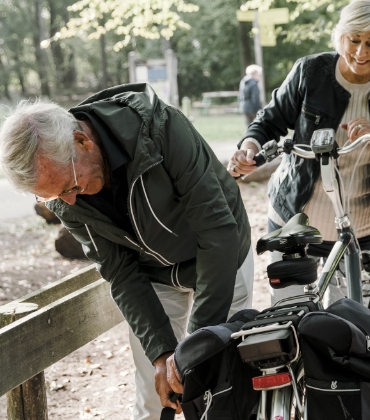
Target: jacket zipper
(159,257)
(318,117)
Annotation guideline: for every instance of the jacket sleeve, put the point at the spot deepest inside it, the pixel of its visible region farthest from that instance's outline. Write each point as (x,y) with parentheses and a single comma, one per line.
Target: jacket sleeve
(283,110)
(130,288)
(189,163)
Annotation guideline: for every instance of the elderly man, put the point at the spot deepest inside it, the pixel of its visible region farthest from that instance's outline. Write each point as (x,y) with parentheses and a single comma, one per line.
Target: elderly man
(135,183)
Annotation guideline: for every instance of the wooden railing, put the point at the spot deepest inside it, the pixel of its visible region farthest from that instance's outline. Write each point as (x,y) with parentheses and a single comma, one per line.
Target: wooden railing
(41,328)
(209,98)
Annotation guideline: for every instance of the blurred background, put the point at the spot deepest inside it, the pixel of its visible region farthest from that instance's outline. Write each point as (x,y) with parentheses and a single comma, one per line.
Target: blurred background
(193,53)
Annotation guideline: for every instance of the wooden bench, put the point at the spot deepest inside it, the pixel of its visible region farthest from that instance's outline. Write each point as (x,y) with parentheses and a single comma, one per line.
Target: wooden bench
(208,102)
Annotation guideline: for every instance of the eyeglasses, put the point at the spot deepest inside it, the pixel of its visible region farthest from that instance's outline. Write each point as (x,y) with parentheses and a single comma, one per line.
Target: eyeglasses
(65,192)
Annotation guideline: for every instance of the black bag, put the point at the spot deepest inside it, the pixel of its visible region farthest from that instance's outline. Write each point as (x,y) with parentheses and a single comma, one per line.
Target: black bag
(215,379)
(336,357)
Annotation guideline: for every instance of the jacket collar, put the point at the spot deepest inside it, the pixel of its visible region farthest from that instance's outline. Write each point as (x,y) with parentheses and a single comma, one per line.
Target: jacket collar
(131,114)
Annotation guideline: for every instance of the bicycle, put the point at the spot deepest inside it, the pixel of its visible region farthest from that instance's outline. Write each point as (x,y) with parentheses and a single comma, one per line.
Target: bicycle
(270,343)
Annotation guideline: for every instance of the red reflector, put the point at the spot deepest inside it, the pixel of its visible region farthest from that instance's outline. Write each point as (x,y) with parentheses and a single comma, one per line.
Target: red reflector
(266,382)
(274,281)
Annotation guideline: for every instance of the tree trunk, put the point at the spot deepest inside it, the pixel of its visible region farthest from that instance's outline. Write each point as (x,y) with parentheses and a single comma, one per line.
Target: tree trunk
(65,69)
(5,78)
(104,81)
(41,58)
(245,49)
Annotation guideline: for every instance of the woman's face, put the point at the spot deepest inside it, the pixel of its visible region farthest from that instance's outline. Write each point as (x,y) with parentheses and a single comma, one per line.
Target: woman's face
(355,60)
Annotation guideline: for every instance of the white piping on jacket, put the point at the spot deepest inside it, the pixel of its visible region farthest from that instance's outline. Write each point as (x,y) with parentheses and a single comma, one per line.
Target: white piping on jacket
(92,240)
(150,207)
(137,229)
(138,245)
(178,286)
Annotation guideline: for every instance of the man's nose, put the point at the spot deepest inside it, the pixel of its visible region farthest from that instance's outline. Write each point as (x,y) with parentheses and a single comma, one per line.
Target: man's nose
(69,198)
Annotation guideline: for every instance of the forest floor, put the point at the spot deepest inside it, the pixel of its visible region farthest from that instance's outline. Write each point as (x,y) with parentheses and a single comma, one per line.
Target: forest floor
(97,380)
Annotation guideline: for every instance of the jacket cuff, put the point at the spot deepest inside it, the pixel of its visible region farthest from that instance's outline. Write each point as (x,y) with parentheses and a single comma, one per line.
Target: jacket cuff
(156,351)
(193,327)
(250,140)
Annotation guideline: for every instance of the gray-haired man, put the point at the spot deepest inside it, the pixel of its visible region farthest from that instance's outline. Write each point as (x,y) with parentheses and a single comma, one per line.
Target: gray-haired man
(136,184)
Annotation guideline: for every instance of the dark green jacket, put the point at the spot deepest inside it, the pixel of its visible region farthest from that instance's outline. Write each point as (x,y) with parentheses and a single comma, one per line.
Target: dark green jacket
(190,223)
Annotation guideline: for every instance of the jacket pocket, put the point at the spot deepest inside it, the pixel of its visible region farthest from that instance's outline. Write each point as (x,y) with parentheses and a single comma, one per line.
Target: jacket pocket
(309,120)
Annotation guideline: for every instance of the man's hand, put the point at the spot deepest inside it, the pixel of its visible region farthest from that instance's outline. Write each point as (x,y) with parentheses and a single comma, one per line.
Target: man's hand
(162,386)
(173,377)
(356,128)
(242,161)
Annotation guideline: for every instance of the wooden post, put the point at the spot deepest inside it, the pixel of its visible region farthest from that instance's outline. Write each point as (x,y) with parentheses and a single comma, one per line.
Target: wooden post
(28,400)
(258,56)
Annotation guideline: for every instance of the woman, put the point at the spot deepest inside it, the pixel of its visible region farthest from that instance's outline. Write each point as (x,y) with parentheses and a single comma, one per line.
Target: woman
(326,90)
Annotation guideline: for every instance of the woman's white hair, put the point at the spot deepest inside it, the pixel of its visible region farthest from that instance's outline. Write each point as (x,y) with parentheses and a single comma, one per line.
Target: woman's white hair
(354,19)
(35,128)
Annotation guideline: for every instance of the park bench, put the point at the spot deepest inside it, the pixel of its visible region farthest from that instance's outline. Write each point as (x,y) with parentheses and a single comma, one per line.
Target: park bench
(42,328)
(213,100)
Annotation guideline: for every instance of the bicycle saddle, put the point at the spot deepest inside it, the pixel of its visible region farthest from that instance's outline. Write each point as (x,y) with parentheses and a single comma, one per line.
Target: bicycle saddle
(296,232)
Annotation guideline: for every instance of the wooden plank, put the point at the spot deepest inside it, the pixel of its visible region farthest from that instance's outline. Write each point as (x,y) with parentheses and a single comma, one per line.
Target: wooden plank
(37,341)
(60,288)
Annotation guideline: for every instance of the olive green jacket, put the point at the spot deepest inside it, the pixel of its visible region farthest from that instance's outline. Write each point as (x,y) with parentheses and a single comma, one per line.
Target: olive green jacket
(190,223)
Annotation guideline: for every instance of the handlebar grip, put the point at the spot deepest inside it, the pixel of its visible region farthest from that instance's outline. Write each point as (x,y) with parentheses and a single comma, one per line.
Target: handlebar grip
(259,159)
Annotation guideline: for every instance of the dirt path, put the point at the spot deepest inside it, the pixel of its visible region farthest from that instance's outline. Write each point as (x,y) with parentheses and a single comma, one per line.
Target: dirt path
(96,381)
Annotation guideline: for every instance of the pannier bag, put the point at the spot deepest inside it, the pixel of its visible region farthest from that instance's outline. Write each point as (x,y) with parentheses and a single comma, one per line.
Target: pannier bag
(217,384)
(336,356)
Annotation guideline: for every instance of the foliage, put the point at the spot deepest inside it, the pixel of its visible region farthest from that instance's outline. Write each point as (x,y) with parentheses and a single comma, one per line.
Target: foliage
(311,20)
(209,54)
(149,19)
(212,56)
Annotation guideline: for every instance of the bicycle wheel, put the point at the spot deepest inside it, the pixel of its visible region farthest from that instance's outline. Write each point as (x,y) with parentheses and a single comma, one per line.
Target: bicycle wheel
(301,388)
(283,401)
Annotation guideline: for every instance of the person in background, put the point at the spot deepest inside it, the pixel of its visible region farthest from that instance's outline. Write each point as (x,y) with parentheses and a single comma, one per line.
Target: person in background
(152,206)
(249,93)
(326,90)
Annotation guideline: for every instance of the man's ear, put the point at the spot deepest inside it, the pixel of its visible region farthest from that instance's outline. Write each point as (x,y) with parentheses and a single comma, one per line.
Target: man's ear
(83,140)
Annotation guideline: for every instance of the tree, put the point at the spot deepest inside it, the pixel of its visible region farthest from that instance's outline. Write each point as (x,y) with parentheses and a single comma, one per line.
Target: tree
(41,57)
(17,27)
(311,20)
(149,19)
(62,52)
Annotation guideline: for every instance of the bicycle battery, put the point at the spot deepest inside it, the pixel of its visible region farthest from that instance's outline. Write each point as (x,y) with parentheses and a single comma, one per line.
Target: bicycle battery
(270,338)
(268,349)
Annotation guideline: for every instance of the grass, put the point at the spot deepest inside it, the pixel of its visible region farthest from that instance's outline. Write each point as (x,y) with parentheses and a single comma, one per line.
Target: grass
(223,127)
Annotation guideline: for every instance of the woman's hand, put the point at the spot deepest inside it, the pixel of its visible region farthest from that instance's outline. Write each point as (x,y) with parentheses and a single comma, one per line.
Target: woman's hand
(242,161)
(356,128)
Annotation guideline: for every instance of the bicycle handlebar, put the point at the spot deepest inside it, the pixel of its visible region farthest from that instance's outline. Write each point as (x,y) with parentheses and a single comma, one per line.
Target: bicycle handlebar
(272,149)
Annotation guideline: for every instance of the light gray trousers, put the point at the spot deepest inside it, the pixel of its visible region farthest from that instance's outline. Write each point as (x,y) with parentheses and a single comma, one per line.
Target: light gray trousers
(177,304)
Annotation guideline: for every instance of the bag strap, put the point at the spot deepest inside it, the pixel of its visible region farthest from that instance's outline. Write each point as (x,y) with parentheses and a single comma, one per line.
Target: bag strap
(168,413)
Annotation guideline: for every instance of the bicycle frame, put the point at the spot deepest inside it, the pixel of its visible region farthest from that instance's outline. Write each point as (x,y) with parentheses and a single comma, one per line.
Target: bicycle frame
(346,246)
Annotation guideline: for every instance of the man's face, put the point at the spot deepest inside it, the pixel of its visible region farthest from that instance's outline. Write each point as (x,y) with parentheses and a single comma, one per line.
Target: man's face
(84,176)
